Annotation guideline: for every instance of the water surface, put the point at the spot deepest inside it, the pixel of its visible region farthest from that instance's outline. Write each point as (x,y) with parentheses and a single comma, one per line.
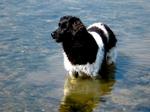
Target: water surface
(32,76)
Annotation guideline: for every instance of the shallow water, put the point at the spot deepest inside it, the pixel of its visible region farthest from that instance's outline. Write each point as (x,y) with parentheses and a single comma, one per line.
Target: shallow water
(32,77)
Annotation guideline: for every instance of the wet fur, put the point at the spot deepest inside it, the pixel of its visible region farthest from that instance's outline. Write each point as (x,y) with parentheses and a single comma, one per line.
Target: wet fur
(85,49)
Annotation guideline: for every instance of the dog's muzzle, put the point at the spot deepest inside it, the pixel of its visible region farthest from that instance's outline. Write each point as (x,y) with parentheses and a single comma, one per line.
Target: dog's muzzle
(56,36)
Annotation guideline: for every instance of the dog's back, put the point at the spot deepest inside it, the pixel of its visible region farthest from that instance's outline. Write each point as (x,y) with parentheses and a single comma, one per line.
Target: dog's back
(108,38)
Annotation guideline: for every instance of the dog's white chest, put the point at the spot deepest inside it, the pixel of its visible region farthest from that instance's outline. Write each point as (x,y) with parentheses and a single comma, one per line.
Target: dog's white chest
(89,69)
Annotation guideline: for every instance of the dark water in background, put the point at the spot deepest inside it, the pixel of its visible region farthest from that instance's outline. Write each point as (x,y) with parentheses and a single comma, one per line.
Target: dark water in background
(32,76)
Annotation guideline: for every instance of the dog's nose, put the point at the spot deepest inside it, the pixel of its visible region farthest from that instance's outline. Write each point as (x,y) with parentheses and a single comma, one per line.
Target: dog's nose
(52,34)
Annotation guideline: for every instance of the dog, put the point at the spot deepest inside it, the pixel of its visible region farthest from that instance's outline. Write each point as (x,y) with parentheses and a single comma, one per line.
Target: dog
(85,50)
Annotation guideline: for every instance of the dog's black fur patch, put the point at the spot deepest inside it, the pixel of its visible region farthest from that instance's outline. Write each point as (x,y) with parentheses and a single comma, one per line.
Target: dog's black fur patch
(112,38)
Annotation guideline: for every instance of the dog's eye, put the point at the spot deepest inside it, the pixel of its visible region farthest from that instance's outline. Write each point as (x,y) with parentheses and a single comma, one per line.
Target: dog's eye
(63,26)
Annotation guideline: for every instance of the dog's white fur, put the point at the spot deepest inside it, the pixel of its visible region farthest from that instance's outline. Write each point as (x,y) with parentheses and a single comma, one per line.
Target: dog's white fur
(92,69)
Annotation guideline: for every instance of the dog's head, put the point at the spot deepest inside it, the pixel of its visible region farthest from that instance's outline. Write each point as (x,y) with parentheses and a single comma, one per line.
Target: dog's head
(68,28)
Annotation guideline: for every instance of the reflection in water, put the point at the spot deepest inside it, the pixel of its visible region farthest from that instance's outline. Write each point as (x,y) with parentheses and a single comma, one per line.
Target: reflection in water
(83,95)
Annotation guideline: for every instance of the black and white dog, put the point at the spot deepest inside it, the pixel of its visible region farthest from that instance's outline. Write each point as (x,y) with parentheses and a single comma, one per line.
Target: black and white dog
(85,49)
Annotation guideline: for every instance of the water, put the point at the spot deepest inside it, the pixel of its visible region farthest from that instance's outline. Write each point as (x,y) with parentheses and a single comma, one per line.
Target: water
(32,77)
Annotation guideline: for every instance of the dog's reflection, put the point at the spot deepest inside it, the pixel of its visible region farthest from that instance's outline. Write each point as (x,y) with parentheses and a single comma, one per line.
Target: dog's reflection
(84,94)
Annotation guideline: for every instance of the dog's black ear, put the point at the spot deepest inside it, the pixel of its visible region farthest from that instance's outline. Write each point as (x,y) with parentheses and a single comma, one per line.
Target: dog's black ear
(77,25)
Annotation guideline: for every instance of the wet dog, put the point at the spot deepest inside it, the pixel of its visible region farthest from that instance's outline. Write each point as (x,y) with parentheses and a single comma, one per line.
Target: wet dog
(85,49)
